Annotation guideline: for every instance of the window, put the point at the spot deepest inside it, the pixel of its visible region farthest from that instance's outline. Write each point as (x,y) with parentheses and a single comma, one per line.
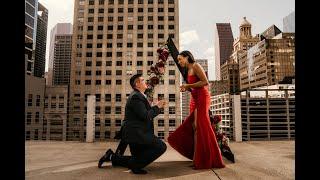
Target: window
(108,72)
(29,117)
(160,1)
(130,1)
(172,97)
(108,82)
(150,26)
(53,105)
(107,110)
(118,97)
(91,11)
(171,36)
(150,36)
(119,54)
(90,28)
(89,36)
(140,45)
(160,35)
(160,96)
(101,10)
(160,18)
(150,1)
(140,1)
(97,134)
(99,54)
(118,72)
(150,9)
(172,122)
(110,18)
(161,26)
(100,19)
(118,122)
(139,72)
(129,44)
(140,54)
(130,10)
(171,1)
(87,82)
(150,44)
(171,9)
(101,2)
(37,117)
(91,2)
(88,63)
(88,73)
(150,53)
(109,54)
(118,109)
(120,10)
(140,26)
(161,134)
(160,122)
(171,63)
(97,109)
(98,97)
(120,27)
(171,26)
(107,97)
(171,18)
(110,10)
(171,81)
(129,63)
(119,63)
(140,9)
(160,9)
(108,63)
(172,110)
(139,63)
(118,82)
(107,134)
(150,63)
(172,72)
(130,27)
(140,36)
(98,63)
(107,122)
(90,19)
(30,100)
(140,18)
(97,121)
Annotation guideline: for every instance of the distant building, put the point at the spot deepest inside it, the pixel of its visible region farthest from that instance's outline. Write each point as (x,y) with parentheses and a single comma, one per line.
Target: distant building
(59,29)
(34,93)
(289,23)
(271,32)
(230,74)
(223,45)
(218,87)
(269,62)
(55,113)
(41,41)
(31,7)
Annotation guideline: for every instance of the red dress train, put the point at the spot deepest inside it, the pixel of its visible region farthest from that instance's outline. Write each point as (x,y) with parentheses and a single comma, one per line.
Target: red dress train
(208,154)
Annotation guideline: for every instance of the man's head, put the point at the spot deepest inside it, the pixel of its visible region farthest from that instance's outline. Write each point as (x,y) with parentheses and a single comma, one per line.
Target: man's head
(138,82)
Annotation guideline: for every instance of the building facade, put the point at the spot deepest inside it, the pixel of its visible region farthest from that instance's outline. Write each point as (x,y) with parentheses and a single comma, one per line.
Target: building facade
(218,87)
(34,107)
(268,62)
(185,97)
(62,59)
(31,7)
(230,74)
(223,45)
(289,23)
(41,41)
(111,41)
(60,29)
(55,113)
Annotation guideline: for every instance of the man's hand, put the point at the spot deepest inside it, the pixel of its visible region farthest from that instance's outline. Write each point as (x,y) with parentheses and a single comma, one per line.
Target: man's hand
(160,104)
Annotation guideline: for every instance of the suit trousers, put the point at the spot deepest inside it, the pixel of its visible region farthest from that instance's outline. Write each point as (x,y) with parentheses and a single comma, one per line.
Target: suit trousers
(141,155)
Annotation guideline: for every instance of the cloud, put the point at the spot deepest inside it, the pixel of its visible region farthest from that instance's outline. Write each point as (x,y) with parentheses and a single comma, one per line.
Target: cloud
(189,37)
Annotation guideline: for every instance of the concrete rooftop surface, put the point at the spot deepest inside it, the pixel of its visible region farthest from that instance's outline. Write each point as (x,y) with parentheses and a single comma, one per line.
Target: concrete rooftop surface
(56,160)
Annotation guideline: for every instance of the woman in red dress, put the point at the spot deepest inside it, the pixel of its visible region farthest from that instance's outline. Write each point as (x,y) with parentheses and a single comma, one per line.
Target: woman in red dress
(195,138)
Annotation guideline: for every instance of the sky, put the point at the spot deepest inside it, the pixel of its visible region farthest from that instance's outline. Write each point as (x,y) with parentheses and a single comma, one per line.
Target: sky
(197,20)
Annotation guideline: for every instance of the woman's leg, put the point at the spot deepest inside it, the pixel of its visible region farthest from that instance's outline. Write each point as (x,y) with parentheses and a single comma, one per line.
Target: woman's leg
(195,132)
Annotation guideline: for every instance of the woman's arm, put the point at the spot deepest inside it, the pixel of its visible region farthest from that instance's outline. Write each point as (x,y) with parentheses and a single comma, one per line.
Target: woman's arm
(198,70)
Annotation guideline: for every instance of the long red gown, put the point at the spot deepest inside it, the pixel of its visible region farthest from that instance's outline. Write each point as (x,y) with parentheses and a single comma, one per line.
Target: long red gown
(208,154)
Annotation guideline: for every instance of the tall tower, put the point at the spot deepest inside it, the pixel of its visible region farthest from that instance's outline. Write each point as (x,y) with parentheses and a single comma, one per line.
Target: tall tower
(31,7)
(60,29)
(41,40)
(223,45)
(111,41)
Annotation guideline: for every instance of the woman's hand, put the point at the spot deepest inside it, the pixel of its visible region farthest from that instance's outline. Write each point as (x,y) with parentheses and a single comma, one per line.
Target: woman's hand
(184,87)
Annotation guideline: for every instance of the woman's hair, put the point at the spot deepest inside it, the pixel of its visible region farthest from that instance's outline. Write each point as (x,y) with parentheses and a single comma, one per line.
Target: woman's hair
(188,55)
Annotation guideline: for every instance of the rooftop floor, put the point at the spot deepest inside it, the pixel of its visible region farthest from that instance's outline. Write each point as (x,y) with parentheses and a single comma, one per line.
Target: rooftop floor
(56,160)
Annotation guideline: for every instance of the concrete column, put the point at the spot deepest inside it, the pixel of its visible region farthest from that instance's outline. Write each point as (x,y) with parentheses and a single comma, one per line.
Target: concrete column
(91,107)
(236,113)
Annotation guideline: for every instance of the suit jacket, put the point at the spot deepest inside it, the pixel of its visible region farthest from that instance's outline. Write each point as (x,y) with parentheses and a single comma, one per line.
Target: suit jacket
(138,121)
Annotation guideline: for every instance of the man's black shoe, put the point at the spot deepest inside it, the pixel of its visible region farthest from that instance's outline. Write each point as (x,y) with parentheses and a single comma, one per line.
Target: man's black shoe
(139,171)
(105,158)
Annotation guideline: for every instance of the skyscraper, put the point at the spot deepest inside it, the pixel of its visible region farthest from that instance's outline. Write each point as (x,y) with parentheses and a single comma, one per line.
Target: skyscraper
(111,41)
(41,40)
(60,29)
(223,45)
(289,23)
(185,99)
(31,7)
(62,59)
